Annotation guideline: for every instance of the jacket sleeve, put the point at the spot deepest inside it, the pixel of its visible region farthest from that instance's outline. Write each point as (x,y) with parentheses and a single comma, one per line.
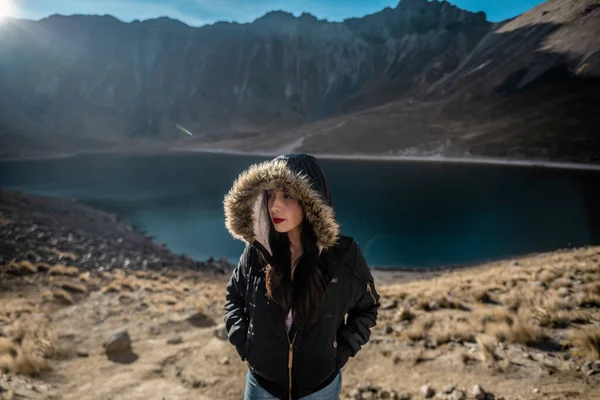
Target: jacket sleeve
(362,315)
(236,318)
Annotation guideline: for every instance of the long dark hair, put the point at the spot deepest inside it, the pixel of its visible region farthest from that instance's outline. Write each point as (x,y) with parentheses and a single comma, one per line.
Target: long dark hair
(305,294)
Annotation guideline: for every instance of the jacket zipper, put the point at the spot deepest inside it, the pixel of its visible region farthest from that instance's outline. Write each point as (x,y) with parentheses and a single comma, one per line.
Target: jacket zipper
(290,360)
(371,293)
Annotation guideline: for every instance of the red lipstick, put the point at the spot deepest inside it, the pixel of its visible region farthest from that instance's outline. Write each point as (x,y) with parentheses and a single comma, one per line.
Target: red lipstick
(278,220)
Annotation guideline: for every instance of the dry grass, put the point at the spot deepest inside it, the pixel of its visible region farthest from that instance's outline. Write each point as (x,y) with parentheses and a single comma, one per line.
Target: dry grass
(587,300)
(7,347)
(418,357)
(85,277)
(482,295)
(162,298)
(464,332)
(561,283)
(440,335)
(62,270)
(106,275)
(47,295)
(586,342)
(15,308)
(179,287)
(129,283)
(29,361)
(24,267)
(28,345)
(494,315)
(145,275)
(467,359)
(419,329)
(503,302)
(592,288)
(43,267)
(404,314)
(517,329)
(62,296)
(113,287)
(6,363)
(126,298)
(74,287)
(92,282)
(64,254)
(524,332)
(150,287)
(547,276)
(487,345)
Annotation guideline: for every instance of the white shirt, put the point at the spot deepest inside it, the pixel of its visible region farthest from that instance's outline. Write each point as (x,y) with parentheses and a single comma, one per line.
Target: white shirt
(288,321)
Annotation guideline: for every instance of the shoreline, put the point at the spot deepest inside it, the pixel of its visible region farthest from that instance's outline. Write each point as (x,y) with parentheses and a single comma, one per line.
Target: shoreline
(399,158)
(325,156)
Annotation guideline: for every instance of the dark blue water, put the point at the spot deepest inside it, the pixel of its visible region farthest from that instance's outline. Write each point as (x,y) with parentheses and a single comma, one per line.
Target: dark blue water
(404,214)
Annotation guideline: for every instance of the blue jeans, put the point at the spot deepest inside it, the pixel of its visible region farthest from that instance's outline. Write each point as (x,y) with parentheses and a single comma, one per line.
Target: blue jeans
(255,392)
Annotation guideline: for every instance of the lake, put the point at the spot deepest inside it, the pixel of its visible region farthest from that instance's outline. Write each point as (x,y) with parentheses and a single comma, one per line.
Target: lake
(404,214)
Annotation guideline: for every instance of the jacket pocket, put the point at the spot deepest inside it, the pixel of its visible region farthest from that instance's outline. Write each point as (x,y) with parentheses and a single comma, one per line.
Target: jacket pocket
(342,355)
(334,351)
(247,344)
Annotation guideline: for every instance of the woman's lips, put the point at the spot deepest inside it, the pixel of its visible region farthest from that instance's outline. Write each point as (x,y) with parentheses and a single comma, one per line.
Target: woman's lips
(278,220)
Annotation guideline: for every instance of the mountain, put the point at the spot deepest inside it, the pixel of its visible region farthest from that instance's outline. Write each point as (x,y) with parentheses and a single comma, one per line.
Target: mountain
(423,77)
(530,89)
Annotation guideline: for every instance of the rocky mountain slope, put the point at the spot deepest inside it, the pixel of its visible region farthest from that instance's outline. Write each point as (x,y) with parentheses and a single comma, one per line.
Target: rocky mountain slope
(95,76)
(449,83)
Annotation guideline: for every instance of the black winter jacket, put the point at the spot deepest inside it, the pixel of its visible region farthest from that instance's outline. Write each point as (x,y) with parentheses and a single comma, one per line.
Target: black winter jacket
(294,365)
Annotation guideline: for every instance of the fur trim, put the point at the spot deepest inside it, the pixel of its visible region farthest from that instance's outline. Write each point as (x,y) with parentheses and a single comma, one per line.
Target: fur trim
(247,220)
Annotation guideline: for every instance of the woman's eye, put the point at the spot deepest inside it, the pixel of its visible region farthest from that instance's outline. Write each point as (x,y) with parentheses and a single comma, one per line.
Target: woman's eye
(287,196)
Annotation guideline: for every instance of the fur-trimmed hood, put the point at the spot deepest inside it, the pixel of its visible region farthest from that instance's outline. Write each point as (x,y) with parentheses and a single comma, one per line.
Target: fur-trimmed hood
(247,220)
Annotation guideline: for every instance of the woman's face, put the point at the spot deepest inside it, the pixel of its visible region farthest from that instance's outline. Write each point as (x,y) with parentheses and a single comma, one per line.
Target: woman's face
(284,210)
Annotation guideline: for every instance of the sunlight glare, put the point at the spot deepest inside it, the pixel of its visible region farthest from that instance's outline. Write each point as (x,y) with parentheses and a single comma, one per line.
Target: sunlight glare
(6,8)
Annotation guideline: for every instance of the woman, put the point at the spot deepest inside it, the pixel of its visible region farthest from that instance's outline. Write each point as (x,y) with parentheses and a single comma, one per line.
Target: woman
(301,301)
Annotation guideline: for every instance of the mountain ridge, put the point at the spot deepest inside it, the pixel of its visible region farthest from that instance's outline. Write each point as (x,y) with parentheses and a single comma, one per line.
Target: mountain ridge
(256,85)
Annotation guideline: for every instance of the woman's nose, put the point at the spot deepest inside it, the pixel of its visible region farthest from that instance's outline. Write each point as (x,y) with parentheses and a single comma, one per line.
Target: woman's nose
(275,204)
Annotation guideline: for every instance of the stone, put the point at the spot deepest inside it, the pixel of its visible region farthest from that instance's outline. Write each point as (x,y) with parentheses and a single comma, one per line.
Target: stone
(479,393)
(175,340)
(457,394)
(154,331)
(200,320)
(447,389)
(367,395)
(591,368)
(427,391)
(118,343)
(389,305)
(225,361)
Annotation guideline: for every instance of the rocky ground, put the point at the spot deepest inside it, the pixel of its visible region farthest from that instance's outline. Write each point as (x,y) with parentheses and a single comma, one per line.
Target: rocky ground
(516,329)
(60,231)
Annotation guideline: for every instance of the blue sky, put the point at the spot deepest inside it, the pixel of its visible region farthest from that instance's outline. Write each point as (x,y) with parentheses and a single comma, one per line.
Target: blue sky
(200,12)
